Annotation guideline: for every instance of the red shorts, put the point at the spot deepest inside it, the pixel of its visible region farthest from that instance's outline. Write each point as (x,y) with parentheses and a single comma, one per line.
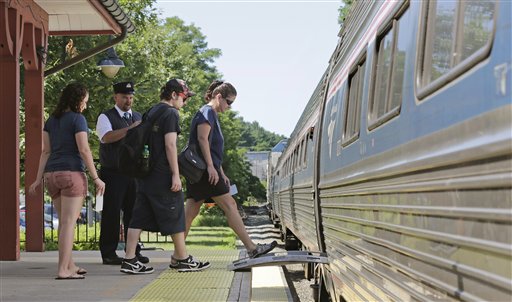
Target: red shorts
(66,183)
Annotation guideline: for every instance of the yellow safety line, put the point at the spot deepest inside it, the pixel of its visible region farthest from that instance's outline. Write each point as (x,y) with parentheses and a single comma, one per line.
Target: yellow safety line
(212,284)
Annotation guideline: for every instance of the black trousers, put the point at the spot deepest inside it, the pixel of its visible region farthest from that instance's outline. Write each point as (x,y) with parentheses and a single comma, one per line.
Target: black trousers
(120,193)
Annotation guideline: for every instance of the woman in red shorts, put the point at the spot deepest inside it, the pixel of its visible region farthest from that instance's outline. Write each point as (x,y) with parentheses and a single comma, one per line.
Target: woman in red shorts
(64,157)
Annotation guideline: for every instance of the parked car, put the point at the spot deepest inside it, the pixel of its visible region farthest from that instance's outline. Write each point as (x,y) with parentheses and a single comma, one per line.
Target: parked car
(96,216)
(49,222)
(50,216)
(22,220)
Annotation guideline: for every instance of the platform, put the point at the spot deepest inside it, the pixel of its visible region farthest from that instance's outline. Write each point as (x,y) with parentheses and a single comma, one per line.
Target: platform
(32,279)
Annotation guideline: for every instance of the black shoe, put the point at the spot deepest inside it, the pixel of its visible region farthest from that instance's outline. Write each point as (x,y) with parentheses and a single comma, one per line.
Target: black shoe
(189,265)
(114,260)
(141,258)
(262,249)
(135,267)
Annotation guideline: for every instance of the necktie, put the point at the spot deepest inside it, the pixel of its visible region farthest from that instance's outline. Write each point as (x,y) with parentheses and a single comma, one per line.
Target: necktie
(128,117)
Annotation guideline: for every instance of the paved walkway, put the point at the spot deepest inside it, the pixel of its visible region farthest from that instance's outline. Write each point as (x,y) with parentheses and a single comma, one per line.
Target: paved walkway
(32,278)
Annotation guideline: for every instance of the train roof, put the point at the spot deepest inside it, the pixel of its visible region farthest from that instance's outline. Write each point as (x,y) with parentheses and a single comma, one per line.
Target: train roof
(280,146)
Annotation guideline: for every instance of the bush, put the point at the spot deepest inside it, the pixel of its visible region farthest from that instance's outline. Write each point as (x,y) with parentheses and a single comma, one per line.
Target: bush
(210,215)
(210,220)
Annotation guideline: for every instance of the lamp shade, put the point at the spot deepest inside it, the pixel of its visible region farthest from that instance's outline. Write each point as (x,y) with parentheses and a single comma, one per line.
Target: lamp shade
(111,64)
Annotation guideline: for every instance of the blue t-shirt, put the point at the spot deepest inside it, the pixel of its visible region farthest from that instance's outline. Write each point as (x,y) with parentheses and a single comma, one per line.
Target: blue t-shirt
(64,154)
(207,115)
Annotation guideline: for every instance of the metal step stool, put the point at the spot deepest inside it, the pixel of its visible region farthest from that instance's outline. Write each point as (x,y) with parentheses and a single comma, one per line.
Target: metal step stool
(279,258)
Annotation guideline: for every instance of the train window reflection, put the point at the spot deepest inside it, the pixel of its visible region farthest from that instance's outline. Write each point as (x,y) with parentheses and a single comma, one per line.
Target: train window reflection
(389,69)
(457,34)
(353,105)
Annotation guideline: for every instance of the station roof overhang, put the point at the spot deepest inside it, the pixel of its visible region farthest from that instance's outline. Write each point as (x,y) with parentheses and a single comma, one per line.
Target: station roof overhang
(85,17)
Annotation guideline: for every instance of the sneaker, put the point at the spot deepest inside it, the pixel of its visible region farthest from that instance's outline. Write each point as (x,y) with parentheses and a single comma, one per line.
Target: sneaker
(189,265)
(262,249)
(134,266)
(141,258)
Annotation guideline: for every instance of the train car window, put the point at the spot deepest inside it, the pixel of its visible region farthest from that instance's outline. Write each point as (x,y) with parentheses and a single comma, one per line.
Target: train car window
(304,161)
(295,157)
(301,154)
(455,36)
(352,113)
(297,165)
(388,80)
(291,164)
(294,160)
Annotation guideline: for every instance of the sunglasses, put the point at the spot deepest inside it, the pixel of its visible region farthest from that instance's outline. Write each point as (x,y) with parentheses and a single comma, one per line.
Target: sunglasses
(184,96)
(229,102)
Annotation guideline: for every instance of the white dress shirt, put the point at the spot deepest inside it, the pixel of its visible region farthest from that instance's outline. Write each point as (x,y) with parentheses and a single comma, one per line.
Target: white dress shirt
(103,125)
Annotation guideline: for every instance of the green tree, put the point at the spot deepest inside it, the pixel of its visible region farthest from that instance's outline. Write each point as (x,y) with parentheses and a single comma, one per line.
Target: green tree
(157,51)
(256,138)
(235,164)
(152,55)
(344,10)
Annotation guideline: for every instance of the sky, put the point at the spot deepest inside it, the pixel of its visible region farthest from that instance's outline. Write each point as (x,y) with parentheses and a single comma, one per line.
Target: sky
(273,52)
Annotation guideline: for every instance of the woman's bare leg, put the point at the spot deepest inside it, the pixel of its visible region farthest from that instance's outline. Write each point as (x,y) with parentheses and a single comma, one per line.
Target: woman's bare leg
(230,208)
(57,204)
(68,209)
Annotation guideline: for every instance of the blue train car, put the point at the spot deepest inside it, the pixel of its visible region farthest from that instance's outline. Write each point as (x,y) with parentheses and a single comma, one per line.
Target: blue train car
(400,168)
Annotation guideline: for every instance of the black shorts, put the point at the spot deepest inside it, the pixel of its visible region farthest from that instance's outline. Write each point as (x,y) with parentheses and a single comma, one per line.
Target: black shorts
(203,190)
(159,212)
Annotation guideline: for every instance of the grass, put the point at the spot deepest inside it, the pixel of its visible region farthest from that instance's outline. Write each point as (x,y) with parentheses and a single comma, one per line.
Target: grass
(208,231)
(216,238)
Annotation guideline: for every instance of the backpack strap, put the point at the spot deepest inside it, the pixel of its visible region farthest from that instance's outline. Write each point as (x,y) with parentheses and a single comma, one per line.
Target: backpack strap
(156,116)
(146,118)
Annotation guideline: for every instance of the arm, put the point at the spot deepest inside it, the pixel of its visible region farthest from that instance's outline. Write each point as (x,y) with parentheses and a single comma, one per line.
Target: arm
(203,130)
(85,153)
(171,151)
(105,132)
(116,135)
(45,154)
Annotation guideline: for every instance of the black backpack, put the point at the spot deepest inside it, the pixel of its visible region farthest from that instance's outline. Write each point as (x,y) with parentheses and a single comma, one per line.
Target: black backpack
(133,157)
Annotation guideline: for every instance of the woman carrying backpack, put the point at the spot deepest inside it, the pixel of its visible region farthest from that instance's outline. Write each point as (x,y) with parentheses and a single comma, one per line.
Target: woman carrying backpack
(64,157)
(214,184)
